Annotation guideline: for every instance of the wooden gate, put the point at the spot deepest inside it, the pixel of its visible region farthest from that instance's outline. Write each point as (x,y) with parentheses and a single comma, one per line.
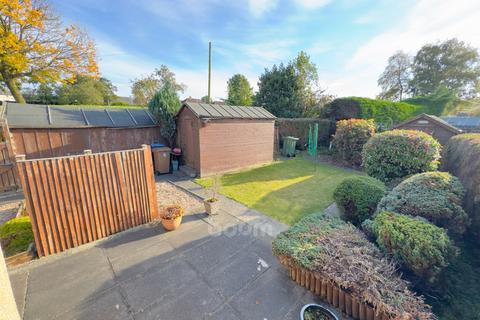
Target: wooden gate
(8,175)
(75,200)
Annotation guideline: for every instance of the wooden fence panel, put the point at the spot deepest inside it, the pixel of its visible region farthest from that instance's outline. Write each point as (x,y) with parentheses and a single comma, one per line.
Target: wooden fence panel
(8,175)
(75,200)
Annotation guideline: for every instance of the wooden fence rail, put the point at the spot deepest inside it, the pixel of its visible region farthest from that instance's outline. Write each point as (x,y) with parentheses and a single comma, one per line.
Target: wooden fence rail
(75,200)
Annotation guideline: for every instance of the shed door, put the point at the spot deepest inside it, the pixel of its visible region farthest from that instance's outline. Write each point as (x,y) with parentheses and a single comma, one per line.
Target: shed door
(187,140)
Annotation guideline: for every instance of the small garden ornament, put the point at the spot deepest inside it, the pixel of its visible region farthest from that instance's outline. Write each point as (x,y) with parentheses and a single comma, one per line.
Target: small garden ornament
(171,217)
(212,204)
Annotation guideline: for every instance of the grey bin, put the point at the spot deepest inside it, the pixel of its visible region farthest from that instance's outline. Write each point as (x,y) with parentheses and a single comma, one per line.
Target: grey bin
(289,145)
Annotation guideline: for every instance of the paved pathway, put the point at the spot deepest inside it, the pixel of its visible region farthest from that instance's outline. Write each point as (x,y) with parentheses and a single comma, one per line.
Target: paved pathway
(211,268)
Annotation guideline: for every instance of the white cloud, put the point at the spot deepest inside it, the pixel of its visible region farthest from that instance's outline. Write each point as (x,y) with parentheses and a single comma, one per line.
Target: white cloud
(428,21)
(259,7)
(312,4)
(121,67)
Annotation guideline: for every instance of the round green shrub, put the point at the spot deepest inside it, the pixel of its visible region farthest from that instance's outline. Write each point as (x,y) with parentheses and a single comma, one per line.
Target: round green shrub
(398,153)
(16,235)
(420,246)
(358,197)
(435,196)
(350,137)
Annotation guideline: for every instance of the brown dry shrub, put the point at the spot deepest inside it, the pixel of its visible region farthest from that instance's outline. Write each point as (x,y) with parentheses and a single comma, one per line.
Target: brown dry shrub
(171,212)
(338,251)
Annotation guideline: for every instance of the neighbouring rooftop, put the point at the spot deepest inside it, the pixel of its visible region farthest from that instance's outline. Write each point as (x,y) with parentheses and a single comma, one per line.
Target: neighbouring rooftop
(464,123)
(21,115)
(222,111)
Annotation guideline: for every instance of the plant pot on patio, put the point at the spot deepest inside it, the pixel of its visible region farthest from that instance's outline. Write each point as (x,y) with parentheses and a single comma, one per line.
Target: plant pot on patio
(212,206)
(316,312)
(171,217)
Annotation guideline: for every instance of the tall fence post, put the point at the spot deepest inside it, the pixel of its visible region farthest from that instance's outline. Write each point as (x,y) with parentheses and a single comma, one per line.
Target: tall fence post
(20,163)
(152,192)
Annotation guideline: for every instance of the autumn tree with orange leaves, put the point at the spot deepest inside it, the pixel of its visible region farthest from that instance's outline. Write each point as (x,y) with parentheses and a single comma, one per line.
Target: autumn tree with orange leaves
(36,46)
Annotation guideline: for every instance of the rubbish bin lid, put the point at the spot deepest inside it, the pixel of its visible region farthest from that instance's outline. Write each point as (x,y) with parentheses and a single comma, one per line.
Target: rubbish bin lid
(291,138)
(162,149)
(157,145)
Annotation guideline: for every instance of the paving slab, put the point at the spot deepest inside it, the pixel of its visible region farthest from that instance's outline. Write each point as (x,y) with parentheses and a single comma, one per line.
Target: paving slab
(160,286)
(270,297)
(60,286)
(19,286)
(196,301)
(137,263)
(225,312)
(215,251)
(108,306)
(241,270)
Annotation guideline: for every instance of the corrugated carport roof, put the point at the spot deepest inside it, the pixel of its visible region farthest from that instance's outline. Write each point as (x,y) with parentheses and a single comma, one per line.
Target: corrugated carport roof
(222,111)
(43,116)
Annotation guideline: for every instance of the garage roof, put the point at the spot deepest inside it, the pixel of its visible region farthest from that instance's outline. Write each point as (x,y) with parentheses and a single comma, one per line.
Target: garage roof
(43,116)
(433,119)
(223,111)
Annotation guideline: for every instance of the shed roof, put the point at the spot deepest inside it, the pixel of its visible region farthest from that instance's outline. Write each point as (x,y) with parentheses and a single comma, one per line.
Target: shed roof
(223,111)
(463,122)
(434,119)
(44,116)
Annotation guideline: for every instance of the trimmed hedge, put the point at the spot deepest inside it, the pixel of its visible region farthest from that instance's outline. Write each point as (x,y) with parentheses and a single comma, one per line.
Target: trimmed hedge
(338,251)
(398,153)
(462,159)
(298,127)
(358,197)
(350,137)
(384,112)
(420,246)
(16,235)
(435,196)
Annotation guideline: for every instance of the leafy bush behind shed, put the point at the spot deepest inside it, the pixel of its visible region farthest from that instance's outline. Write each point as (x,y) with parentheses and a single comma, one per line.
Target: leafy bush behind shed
(399,153)
(350,137)
(298,127)
(384,112)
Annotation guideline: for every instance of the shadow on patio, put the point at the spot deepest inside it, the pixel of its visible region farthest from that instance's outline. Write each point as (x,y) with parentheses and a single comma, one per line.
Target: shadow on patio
(210,268)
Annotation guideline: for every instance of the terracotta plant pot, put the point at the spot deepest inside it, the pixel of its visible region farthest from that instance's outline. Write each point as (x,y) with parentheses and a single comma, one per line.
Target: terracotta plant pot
(171,224)
(212,206)
(171,217)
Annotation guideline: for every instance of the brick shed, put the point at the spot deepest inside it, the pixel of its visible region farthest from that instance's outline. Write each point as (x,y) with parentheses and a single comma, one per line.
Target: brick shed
(218,138)
(434,126)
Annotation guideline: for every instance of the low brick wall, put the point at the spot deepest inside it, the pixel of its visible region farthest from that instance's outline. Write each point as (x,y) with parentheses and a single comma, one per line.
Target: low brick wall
(298,127)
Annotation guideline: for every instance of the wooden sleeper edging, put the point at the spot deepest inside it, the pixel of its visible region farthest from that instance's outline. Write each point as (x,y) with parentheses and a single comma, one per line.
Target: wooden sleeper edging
(331,292)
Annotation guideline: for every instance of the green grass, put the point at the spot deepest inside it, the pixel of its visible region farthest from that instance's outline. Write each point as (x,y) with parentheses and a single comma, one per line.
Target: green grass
(16,235)
(284,190)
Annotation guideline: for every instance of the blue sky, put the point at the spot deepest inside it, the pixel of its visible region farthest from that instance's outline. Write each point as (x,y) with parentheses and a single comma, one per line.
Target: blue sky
(348,40)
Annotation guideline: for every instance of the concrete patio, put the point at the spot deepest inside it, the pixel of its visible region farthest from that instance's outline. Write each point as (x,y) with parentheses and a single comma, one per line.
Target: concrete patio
(217,267)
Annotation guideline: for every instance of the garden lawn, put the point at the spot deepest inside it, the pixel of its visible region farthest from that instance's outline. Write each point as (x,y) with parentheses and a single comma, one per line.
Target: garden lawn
(284,190)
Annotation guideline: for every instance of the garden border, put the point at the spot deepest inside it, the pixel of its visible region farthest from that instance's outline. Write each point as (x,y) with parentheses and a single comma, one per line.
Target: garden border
(331,292)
